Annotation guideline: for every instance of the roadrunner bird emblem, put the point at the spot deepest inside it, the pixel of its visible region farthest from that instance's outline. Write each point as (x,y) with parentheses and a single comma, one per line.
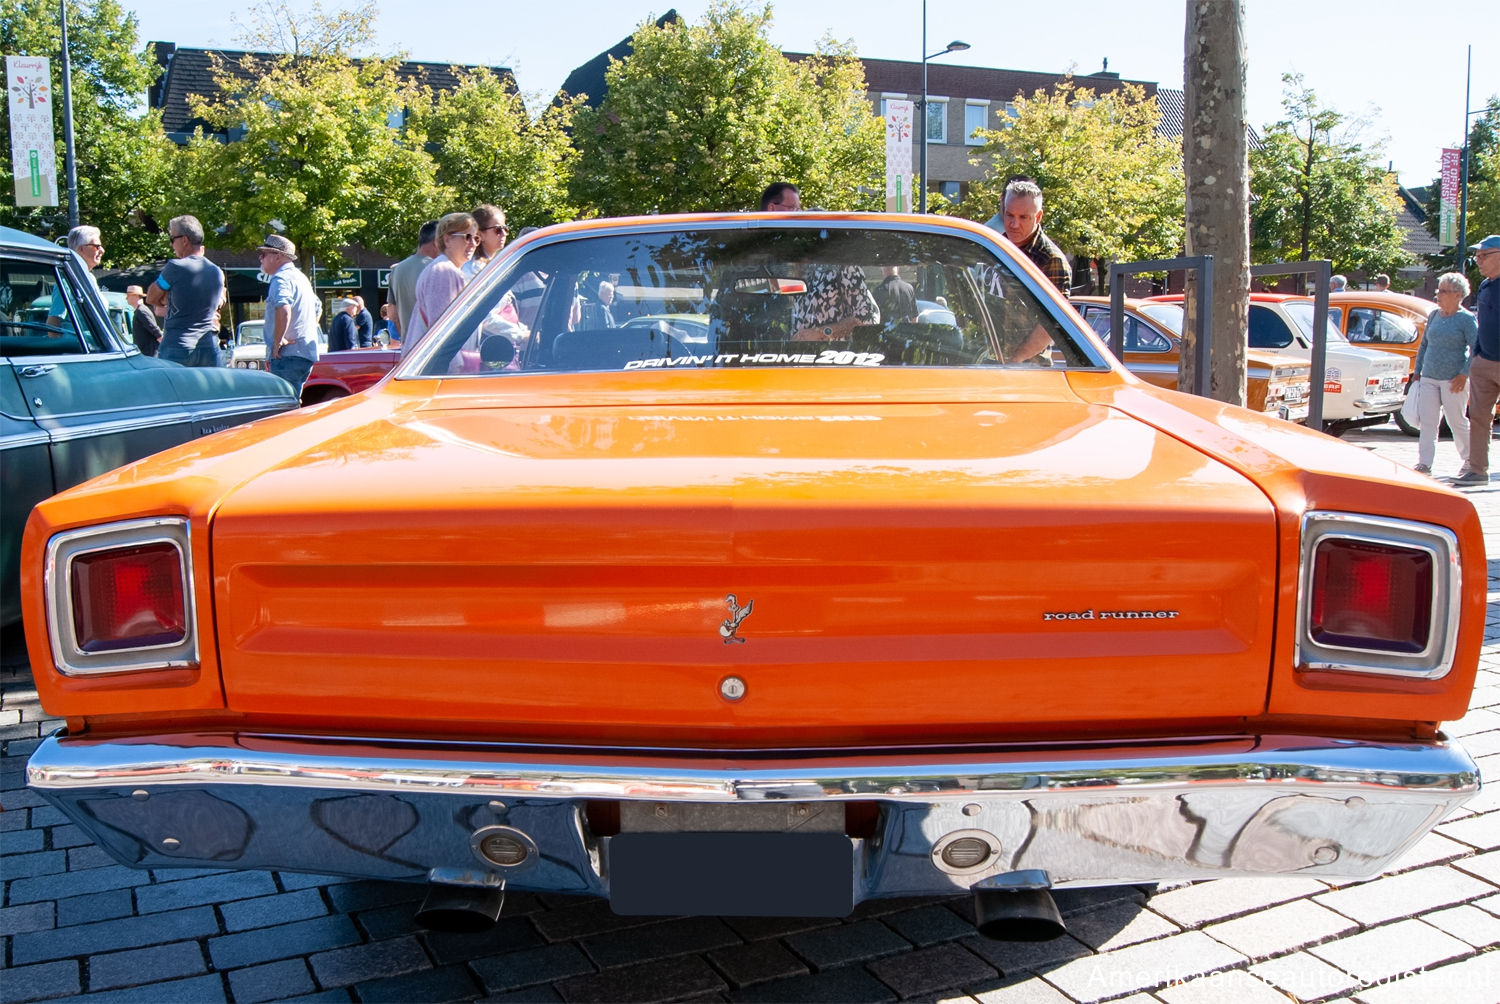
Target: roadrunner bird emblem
(731,623)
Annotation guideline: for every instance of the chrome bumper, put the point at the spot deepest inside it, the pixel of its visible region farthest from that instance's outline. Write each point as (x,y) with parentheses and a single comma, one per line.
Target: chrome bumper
(1088,814)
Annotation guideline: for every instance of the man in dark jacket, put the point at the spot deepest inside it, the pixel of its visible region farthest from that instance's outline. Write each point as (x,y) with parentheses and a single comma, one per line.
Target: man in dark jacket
(1484,365)
(342,329)
(896,298)
(143,327)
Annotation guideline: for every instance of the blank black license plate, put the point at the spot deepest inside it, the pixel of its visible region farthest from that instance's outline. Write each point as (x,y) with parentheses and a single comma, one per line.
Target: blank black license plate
(732,874)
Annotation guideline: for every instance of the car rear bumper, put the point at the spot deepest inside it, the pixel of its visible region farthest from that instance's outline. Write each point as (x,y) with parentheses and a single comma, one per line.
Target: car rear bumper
(1088,814)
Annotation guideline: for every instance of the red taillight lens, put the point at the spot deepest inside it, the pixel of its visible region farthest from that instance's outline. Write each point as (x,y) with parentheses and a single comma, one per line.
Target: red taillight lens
(128,598)
(1371,596)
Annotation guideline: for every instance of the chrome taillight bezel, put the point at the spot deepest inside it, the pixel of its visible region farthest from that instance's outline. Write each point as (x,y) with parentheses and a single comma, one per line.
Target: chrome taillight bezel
(67,655)
(1436,659)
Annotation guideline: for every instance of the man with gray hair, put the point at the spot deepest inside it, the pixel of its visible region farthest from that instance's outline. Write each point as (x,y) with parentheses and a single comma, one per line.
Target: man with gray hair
(192,287)
(1022,213)
(84,242)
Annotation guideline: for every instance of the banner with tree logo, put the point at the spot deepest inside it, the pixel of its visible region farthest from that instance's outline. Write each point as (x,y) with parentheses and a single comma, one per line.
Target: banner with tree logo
(28,83)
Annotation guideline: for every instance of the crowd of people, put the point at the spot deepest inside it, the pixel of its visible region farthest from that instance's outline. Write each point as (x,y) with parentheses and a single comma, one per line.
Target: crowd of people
(1456,372)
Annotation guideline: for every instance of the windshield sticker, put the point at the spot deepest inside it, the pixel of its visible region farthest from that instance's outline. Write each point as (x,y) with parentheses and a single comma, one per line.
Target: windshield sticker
(827,357)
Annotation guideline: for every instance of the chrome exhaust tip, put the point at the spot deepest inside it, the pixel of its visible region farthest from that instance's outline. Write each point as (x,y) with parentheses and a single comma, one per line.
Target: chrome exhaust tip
(1017,906)
(462,909)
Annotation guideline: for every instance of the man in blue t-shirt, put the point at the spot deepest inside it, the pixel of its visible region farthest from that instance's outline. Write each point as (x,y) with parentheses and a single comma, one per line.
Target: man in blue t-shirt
(1484,365)
(192,287)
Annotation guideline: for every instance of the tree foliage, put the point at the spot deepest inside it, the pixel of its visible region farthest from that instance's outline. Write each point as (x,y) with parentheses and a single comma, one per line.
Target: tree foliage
(488,149)
(315,149)
(123,158)
(1113,188)
(1319,192)
(1484,189)
(703,117)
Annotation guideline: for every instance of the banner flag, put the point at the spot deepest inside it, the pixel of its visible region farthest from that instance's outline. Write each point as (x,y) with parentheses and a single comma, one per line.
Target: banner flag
(28,85)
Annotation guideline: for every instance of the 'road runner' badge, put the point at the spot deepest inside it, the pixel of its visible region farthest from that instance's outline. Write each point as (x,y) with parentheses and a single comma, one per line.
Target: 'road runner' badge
(731,624)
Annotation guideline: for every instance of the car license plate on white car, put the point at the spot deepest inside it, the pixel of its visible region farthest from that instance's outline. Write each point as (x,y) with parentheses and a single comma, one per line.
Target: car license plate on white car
(1391,381)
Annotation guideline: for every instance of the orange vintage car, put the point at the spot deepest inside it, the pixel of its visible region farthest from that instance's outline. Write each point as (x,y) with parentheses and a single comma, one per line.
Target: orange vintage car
(1275,384)
(829,607)
(1391,322)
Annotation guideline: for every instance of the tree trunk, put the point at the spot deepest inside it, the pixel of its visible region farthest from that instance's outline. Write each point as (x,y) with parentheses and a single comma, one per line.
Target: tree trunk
(1215,158)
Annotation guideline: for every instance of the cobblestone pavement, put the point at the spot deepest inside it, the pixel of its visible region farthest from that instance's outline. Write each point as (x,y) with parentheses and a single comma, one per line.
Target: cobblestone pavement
(74,923)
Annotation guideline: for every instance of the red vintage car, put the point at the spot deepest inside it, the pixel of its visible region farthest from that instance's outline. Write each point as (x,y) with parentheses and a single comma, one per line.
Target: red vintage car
(339,374)
(828,607)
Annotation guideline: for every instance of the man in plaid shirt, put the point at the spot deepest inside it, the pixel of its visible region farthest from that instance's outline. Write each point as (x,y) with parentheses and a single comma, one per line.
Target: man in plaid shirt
(1023,228)
(1022,211)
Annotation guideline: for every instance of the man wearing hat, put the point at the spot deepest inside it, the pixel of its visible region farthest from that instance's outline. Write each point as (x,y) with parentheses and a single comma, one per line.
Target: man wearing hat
(1484,368)
(342,329)
(292,310)
(192,288)
(143,327)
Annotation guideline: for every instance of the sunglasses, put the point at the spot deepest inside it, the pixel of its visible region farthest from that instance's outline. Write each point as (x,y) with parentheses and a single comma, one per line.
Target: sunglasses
(467,237)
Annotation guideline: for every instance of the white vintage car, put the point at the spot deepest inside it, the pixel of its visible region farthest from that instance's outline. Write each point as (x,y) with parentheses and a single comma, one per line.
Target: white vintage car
(1360,386)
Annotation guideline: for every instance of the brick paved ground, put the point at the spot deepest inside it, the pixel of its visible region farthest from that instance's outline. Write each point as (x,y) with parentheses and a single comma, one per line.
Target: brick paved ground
(73,923)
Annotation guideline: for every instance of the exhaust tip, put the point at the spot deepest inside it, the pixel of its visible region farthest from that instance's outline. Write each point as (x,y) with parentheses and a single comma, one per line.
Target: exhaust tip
(461,909)
(1017,906)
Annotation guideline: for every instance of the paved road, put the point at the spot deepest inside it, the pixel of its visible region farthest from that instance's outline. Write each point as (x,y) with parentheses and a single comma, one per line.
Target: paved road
(73,923)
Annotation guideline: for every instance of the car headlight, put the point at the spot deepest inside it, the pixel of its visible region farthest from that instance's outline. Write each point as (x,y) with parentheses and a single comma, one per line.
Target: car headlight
(120,597)
(1377,596)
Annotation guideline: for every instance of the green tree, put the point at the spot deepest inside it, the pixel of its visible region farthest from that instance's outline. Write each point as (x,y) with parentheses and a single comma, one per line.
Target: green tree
(1113,188)
(488,149)
(1484,190)
(702,117)
(1319,192)
(317,149)
(123,158)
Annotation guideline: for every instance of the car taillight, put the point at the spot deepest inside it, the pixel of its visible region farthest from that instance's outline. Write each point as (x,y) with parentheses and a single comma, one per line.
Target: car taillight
(120,597)
(1367,595)
(1377,595)
(128,598)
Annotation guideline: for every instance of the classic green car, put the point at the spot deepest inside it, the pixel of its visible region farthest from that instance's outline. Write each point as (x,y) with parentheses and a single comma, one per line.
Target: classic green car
(78,399)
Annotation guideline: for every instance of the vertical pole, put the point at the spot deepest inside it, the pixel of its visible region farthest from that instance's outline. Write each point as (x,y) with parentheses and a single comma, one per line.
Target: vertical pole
(67,81)
(1203,372)
(1320,343)
(1463,187)
(922,165)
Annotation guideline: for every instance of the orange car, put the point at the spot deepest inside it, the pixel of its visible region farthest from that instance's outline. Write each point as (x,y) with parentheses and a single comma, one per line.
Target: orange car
(1274,384)
(828,607)
(1391,322)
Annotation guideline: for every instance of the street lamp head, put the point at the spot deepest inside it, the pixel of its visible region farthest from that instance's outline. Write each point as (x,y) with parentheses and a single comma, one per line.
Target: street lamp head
(956,46)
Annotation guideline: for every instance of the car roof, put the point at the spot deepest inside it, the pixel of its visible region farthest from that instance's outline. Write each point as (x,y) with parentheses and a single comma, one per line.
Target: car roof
(1374,298)
(10,237)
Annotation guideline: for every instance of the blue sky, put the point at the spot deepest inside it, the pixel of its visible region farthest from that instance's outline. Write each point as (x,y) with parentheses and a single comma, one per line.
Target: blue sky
(1396,64)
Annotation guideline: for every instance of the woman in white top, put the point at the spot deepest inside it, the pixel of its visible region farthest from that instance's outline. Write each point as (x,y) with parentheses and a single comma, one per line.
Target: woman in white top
(443,278)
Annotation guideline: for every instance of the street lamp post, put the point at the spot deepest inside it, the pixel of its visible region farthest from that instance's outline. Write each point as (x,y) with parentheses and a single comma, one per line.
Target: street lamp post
(954,46)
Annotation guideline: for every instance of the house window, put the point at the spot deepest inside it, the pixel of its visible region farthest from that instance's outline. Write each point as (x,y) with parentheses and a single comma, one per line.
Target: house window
(952,190)
(976,117)
(937,120)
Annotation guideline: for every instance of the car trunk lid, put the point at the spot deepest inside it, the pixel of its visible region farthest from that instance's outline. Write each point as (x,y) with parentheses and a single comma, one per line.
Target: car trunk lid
(745,575)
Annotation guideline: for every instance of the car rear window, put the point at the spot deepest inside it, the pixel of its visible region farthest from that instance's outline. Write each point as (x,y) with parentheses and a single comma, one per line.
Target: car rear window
(747,296)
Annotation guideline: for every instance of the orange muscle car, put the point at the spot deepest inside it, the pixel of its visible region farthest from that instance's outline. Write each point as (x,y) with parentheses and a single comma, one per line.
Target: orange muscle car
(828,606)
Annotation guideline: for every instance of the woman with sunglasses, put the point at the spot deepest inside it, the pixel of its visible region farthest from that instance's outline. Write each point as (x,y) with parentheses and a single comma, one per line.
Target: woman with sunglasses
(443,278)
(492,233)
